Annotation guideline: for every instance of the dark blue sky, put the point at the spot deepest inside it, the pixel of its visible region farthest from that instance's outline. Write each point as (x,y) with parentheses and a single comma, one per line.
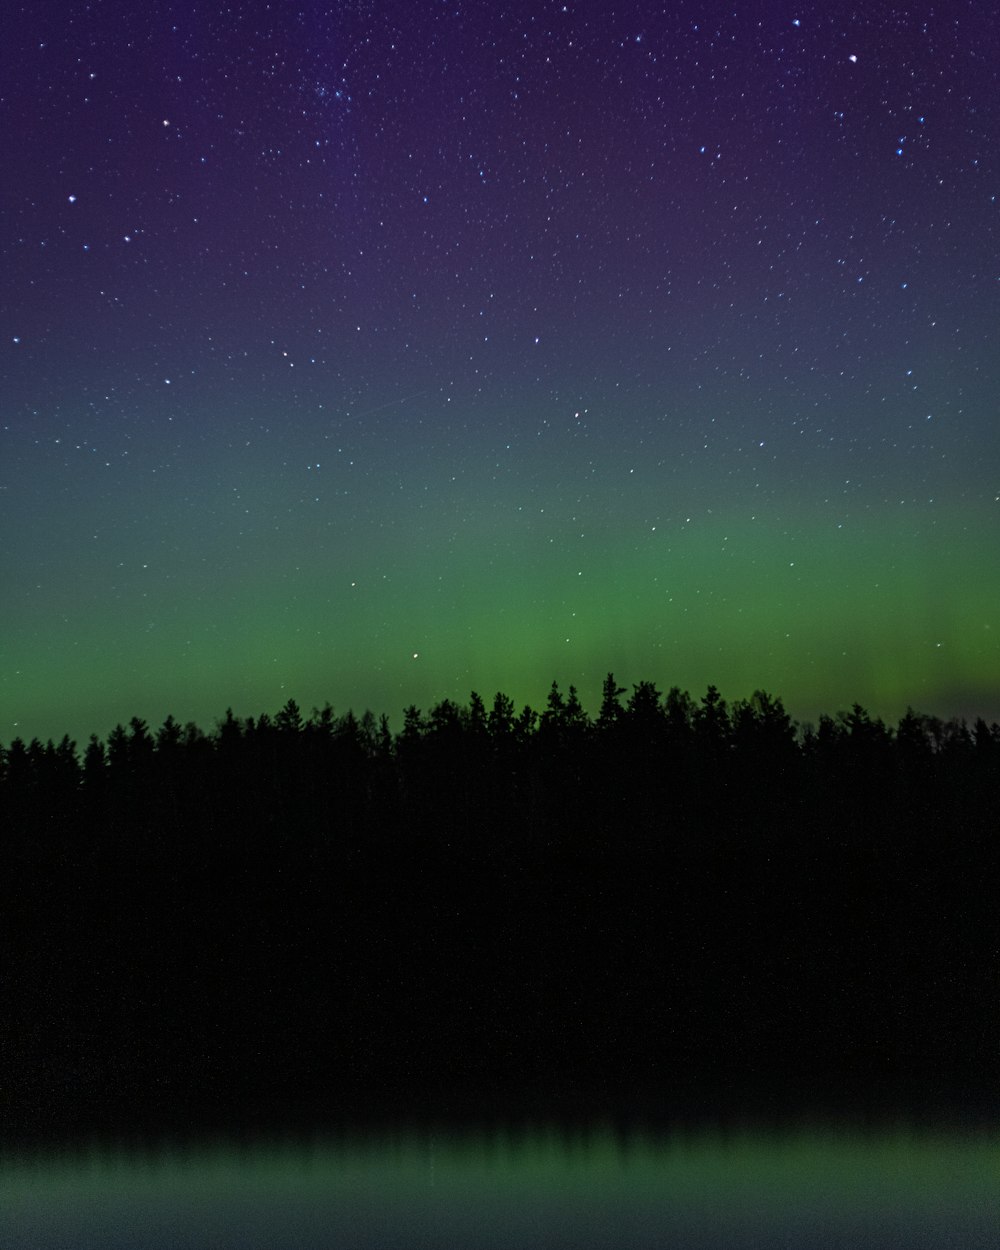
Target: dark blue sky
(379,352)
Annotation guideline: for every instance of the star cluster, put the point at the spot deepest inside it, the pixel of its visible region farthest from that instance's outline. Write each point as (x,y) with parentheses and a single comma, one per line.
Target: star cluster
(379,352)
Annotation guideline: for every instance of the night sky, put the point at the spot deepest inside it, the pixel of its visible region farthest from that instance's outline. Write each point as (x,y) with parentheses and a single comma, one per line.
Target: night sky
(379,352)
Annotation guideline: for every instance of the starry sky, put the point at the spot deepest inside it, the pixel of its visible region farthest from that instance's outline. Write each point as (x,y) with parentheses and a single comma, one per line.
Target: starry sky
(379,352)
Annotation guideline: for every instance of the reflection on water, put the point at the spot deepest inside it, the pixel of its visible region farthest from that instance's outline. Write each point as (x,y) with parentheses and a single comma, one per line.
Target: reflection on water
(525,1189)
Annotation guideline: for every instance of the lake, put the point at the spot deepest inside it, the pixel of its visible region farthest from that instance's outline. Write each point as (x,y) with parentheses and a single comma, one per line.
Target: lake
(540,1186)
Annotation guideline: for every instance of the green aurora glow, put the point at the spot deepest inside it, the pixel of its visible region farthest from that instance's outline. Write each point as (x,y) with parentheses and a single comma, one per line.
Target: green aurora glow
(664,345)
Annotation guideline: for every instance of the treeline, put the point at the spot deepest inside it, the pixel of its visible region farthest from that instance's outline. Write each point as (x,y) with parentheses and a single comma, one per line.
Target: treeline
(666,759)
(670,897)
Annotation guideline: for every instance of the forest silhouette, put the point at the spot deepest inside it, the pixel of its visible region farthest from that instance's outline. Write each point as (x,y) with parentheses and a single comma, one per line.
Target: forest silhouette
(676,898)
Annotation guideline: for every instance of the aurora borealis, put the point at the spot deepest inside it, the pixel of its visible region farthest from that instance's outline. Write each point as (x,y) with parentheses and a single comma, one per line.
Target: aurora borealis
(375,353)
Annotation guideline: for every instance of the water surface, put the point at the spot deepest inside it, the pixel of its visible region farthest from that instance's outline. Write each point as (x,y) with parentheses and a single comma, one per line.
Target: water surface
(544,1187)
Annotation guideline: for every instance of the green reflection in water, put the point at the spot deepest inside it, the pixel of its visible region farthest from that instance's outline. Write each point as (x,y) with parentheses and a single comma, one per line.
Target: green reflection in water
(543,1188)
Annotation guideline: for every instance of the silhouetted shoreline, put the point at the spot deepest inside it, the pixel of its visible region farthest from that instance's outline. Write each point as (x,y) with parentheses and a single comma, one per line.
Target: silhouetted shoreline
(671,901)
